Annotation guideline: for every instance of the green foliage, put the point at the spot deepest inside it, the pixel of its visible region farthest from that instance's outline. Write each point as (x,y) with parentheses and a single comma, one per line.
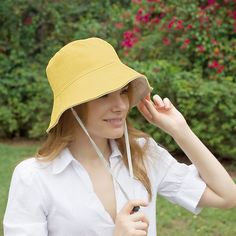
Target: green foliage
(208,106)
(29,37)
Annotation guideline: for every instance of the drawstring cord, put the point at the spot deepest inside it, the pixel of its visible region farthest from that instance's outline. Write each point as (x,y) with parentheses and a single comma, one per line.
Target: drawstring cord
(100,155)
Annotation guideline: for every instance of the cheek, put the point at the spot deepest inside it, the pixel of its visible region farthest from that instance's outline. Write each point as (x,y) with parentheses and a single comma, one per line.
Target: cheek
(127,102)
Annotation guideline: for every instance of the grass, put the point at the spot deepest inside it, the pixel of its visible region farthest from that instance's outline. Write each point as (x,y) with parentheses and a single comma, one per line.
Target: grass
(171,219)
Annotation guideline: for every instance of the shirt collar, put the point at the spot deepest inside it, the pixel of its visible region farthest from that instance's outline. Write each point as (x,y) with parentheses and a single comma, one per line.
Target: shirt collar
(115,151)
(62,161)
(65,157)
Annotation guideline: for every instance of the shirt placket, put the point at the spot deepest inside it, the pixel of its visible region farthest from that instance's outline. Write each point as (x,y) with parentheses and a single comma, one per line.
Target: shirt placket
(95,203)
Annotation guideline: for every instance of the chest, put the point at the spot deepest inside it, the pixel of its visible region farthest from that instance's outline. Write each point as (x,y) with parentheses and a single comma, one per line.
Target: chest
(103,188)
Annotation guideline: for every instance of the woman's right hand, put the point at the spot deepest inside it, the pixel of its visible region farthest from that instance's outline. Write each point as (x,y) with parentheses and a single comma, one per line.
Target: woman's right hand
(131,224)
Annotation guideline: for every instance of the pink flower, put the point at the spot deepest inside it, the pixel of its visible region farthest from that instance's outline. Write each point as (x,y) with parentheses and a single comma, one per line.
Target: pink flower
(179,24)
(166,41)
(128,43)
(214,41)
(234,15)
(155,20)
(201,48)
(139,15)
(136,29)
(128,34)
(130,39)
(145,18)
(184,46)
(211,2)
(170,24)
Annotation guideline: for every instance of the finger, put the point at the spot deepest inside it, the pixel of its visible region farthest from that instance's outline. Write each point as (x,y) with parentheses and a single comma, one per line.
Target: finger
(128,207)
(139,216)
(140,232)
(142,108)
(150,107)
(141,225)
(148,97)
(168,104)
(158,101)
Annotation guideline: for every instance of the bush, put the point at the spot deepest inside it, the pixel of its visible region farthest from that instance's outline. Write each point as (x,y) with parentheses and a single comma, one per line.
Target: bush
(29,37)
(190,34)
(147,38)
(208,106)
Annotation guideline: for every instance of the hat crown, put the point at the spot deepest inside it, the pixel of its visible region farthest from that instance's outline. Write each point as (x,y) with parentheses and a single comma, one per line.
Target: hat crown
(77,59)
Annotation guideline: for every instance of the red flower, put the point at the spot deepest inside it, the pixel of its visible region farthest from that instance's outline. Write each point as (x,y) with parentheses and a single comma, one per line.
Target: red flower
(220,69)
(189,26)
(187,41)
(214,64)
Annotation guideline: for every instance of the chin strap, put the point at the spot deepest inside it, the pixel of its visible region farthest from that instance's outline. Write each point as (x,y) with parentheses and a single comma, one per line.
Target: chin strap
(128,152)
(100,155)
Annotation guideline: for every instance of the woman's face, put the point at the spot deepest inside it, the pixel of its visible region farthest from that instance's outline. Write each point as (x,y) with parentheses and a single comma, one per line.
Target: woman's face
(105,116)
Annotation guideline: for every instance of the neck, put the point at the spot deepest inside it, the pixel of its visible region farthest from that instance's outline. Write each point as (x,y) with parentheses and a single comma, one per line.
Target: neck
(82,149)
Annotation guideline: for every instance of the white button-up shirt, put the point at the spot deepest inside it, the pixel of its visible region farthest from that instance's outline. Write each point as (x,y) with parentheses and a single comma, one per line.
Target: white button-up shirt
(57,198)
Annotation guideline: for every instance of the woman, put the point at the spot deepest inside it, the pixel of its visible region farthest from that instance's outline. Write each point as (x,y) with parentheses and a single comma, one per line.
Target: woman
(83,181)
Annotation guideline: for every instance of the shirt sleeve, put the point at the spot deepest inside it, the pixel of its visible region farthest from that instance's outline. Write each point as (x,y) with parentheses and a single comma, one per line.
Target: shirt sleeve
(25,213)
(177,182)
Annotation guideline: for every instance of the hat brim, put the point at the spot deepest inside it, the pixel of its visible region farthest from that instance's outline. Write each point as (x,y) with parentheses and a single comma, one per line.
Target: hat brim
(97,83)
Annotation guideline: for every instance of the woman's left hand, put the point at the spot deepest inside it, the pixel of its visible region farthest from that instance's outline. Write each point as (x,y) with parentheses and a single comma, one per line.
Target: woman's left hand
(162,113)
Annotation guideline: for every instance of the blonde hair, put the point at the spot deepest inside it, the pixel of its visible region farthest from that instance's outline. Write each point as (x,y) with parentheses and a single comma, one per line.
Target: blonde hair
(61,136)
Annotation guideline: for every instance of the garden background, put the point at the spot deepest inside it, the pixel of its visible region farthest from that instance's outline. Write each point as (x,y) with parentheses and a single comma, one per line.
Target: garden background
(186,48)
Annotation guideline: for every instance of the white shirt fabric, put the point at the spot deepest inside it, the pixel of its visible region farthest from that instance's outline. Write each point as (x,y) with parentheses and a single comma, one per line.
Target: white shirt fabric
(57,198)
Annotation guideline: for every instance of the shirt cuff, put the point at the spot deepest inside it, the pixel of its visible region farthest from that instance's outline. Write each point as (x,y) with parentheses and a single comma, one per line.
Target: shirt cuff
(191,191)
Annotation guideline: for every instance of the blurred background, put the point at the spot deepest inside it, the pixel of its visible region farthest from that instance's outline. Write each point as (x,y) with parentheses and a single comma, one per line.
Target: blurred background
(186,49)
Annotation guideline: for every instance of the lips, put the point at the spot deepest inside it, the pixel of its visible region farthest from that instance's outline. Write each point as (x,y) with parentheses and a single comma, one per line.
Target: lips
(115,122)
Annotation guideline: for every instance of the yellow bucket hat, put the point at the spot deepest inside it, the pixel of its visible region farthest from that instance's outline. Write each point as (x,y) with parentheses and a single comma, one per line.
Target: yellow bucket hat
(87,69)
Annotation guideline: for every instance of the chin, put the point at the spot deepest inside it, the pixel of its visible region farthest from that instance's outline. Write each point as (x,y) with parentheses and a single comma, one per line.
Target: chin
(115,135)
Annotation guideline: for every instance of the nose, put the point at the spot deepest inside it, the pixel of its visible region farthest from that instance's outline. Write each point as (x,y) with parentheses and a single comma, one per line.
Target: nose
(119,103)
